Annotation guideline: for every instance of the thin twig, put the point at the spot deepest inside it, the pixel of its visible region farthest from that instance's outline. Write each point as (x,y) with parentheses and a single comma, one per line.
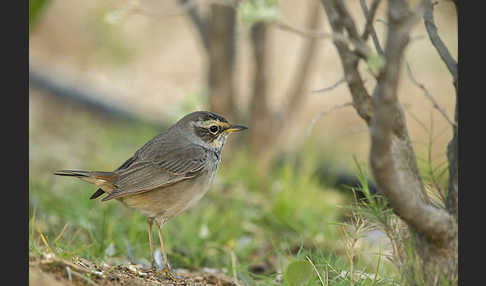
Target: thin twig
(340,81)
(429,96)
(324,113)
(185,6)
(296,92)
(437,42)
(199,22)
(360,47)
(53,260)
(302,32)
(369,29)
(72,266)
(349,60)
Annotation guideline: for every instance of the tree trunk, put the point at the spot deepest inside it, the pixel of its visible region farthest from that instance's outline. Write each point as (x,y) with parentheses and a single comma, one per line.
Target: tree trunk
(269,127)
(260,114)
(433,230)
(221,60)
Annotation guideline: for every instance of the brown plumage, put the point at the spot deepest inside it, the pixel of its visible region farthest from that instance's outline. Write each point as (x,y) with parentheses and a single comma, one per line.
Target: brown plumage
(169,173)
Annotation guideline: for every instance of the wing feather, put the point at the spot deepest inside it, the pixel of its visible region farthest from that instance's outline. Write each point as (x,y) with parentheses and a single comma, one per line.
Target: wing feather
(164,169)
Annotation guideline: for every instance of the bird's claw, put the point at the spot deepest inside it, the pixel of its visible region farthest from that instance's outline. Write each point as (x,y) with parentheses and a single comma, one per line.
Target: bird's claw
(167,273)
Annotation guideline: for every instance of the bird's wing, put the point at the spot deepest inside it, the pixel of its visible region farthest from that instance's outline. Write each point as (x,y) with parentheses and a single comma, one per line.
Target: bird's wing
(125,165)
(147,149)
(161,170)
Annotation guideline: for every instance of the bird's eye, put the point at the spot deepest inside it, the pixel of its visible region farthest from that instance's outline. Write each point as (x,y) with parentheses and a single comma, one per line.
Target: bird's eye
(213,129)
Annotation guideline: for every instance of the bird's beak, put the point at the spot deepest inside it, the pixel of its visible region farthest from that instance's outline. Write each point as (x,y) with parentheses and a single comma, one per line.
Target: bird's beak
(235,127)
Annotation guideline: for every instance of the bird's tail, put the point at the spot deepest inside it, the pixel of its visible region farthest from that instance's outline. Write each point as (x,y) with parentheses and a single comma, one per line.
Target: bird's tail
(104,180)
(86,174)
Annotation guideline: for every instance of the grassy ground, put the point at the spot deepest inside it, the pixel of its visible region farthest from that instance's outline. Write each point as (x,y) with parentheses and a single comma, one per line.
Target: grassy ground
(250,229)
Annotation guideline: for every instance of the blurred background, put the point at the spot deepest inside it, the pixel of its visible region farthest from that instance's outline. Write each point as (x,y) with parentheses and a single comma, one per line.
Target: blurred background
(106,76)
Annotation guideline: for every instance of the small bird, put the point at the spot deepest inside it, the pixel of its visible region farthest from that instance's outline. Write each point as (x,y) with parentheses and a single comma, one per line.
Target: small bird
(167,175)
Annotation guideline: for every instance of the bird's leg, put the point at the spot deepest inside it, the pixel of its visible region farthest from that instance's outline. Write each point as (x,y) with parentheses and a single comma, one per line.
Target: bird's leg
(149,223)
(166,269)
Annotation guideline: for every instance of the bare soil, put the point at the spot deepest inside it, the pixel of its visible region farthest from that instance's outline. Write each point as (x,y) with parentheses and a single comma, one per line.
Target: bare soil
(47,269)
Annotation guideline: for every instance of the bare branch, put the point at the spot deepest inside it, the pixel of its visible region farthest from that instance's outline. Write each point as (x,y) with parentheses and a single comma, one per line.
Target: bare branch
(346,21)
(437,42)
(453,159)
(452,147)
(331,87)
(349,61)
(429,96)
(302,32)
(324,113)
(185,7)
(199,23)
(296,92)
(369,29)
(391,156)
(362,49)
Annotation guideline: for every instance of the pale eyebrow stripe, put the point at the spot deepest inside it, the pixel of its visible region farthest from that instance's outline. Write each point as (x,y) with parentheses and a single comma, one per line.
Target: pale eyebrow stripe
(206,124)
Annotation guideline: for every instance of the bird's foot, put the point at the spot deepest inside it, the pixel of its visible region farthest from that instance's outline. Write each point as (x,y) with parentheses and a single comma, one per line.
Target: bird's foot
(167,273)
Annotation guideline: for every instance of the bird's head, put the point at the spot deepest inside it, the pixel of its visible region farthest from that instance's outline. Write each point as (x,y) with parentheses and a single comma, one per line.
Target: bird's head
(210,128)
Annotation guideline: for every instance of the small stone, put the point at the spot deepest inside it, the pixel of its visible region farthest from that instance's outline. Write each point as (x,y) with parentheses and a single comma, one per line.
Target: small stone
(132,268)
(48,256)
